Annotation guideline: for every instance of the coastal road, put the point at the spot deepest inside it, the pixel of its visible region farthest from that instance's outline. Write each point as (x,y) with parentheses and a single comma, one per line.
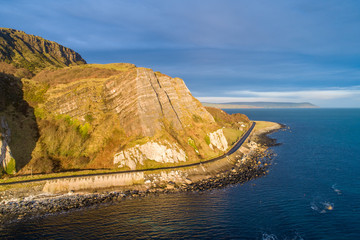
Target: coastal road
(231,151)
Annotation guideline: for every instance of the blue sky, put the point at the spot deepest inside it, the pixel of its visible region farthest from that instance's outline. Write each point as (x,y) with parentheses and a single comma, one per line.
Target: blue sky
(229,50)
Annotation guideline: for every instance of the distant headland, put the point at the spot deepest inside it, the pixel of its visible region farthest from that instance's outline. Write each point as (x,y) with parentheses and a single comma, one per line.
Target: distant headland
(234,105)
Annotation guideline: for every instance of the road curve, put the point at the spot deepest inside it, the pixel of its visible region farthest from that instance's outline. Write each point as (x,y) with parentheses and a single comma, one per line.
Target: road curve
(231,151)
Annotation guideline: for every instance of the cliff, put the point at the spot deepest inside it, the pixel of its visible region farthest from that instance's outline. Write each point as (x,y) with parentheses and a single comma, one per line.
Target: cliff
(115,110)
(91,116)
(34,53)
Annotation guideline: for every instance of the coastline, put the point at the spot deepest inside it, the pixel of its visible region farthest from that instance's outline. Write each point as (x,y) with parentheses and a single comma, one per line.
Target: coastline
(251,161)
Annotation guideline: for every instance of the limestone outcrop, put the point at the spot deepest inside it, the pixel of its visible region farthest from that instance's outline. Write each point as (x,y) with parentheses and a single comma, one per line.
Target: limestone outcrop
(218,140)
(161,153)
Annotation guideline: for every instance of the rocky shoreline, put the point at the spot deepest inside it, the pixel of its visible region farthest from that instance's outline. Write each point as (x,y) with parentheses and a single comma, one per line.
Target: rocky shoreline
(255,165)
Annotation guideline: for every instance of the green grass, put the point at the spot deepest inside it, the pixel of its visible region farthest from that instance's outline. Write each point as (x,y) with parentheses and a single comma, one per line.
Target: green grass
(191,142)
(260,125)
(113,66)
(34,92)
(197,118)
(89,118)
(232,135)
(39,113)
(11,167)
(19,186)
(207,139)
(139,140)
(82,129)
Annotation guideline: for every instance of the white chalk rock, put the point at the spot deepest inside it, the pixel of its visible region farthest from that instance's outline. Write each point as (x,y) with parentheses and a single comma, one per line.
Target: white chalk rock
(169,153)
(218,140)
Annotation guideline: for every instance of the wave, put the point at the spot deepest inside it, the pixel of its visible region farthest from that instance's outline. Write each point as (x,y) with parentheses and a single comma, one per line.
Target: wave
(321,206)
(336,189)
(266,236)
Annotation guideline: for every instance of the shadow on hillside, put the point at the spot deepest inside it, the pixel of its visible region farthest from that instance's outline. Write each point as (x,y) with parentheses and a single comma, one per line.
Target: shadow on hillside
(18,116)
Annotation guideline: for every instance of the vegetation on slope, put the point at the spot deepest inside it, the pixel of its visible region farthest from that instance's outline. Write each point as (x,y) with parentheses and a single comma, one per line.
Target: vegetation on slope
(90,141)
(63,115)
(34,53)
(234,125)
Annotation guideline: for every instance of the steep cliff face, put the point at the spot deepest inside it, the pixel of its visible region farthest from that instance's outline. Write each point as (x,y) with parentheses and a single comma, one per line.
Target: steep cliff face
(7,162)
(18,127)
(140,98)
(34,53)
(143,106)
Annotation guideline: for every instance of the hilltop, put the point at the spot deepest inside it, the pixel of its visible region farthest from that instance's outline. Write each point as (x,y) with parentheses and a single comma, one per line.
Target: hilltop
(33,53)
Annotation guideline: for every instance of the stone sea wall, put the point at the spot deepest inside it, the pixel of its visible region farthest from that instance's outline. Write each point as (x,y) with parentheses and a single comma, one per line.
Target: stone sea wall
(93,182)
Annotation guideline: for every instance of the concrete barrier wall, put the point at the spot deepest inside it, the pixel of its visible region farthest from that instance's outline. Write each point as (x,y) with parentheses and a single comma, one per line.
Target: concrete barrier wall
(93,182)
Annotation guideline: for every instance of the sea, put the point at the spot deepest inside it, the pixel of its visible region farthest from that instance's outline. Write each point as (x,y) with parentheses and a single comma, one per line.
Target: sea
(312,191)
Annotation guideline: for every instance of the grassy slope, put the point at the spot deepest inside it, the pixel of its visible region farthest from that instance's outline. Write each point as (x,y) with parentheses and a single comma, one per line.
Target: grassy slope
(265,125)
(232,124)
(34,53)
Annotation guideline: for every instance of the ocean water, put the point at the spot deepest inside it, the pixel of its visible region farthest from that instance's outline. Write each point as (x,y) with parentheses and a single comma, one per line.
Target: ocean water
(312,191)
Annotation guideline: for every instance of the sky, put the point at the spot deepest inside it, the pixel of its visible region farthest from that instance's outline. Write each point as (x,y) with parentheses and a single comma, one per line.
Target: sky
(226,51)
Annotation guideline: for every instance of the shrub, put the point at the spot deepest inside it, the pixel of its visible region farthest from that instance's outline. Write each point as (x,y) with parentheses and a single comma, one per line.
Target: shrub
(196,118)
(84,130)
(191,142)
(11,166)
(207,140)
(39,113)
(89,118)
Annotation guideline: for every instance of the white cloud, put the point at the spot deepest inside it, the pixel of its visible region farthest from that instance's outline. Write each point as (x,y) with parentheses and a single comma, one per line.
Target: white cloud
(314,96)
(301,95)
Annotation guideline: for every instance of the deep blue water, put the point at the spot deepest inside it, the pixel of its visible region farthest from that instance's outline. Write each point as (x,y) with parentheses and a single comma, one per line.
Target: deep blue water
(316,169)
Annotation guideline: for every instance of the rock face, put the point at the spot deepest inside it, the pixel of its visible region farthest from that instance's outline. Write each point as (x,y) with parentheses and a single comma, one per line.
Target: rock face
(218,140)
(18,127)
(169,153)
(141,98)
(7,162)
(98,112)
(34,53)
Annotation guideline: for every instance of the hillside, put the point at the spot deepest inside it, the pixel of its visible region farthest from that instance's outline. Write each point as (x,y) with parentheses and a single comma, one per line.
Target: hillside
(93,116)
(34,53)
(234,105)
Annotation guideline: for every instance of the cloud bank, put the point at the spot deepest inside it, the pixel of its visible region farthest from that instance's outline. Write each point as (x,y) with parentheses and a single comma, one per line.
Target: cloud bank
(314,96)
